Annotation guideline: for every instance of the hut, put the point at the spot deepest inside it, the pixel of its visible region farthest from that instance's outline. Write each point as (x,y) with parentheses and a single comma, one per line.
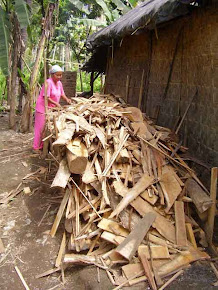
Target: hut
(162,56)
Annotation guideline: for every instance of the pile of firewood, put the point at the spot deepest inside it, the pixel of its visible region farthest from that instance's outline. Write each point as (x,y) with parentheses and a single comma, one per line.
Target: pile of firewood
(128,195)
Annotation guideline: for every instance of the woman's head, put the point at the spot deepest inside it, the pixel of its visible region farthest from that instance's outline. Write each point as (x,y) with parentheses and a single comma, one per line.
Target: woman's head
(56,72)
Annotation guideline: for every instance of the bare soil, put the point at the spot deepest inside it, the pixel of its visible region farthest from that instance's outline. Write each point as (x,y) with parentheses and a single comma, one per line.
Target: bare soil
(29,245)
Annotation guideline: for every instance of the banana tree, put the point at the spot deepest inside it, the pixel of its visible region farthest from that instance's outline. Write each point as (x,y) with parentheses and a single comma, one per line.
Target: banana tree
(14,16)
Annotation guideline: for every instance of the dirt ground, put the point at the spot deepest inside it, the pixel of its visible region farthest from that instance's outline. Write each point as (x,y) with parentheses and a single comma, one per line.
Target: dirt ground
(27,241)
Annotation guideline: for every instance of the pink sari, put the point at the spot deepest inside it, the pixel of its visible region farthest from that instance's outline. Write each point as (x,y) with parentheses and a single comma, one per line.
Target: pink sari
(38,130)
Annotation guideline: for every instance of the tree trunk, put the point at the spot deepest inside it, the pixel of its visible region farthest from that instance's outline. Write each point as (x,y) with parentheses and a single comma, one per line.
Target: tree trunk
(15,55)
(67,51)
(27,116)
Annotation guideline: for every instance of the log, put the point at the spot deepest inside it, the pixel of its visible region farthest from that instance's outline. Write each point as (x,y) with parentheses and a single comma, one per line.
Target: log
(199,197)
(62,176)
(130,245)
(131,194)
(77,156)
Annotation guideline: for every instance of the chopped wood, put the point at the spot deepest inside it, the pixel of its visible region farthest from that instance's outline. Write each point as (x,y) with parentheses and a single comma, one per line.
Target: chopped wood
(62,176)
(60,213)
(130,245)
(199,197)
(157,252)
(140,186)
(181,238)
(170,186)
(190,235)
(181,261)
(77,156)
(113,227)
(61,251)
(125,193)
(147,267)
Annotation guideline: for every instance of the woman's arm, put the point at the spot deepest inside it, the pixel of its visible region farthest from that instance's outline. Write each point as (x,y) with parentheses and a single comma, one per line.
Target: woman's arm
(53,102)
(66,99)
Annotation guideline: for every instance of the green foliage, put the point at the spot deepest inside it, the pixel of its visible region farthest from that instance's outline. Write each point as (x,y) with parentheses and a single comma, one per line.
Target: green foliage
(22,12)
(86,83)
(25,77)
(3,92)
(4,40)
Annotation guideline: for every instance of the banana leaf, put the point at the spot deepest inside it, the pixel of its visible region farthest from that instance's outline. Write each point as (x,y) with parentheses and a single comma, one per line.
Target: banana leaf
(4,41)
(22,12)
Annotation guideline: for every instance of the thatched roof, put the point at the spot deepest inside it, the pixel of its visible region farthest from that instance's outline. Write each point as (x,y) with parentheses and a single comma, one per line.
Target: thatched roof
(147,15)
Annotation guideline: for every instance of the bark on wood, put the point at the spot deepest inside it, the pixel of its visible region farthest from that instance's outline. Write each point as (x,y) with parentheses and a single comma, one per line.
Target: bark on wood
(199,197)
(27,116)
(77,156)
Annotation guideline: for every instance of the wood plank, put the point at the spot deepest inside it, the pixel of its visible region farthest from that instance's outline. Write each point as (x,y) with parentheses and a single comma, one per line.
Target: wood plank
(151,199)
(60,213)
(199,197)
(157,252)
(133,269)
(64,136)
(181,261)
(191,235)
(112,238)
(163,226)
(131,194)
(130,245)
(170,186)
(147,267)
(209,227)
(61,251)
(181,237)
(113,227)
(62,176)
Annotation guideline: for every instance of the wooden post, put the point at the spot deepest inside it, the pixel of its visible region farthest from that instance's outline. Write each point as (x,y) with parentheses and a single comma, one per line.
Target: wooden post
(212,211)
(141,90)
(127,88)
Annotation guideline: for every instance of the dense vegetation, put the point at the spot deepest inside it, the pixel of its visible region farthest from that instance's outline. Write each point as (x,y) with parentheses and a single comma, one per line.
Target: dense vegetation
(37,33)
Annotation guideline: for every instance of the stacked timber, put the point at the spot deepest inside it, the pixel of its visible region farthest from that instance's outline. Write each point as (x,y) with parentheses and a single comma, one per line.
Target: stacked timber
(128,195)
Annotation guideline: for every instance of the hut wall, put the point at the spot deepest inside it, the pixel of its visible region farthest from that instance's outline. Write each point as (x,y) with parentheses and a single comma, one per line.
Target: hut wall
(195,67)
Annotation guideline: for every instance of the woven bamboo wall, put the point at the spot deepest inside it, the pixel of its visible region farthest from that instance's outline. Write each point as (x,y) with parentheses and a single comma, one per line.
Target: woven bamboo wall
(195,67)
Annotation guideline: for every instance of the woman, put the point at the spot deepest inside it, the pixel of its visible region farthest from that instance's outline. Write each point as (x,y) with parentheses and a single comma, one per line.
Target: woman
(55,91)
